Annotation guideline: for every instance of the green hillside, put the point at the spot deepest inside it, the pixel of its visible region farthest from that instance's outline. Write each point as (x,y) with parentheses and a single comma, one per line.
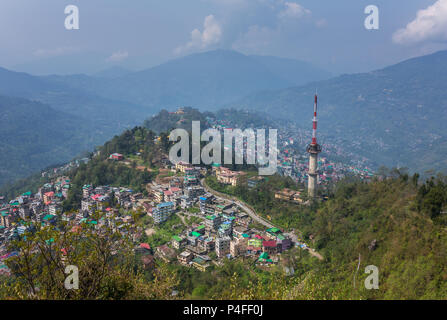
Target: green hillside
(395,116)
(34,135)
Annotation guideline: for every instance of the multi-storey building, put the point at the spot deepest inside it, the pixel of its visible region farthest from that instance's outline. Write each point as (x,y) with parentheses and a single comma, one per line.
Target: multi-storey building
(223,246)
(86,190)
(205,204)
(212,222)
(162,212)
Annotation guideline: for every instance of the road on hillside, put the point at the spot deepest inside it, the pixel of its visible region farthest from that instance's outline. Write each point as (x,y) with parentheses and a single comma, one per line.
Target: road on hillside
(251,212)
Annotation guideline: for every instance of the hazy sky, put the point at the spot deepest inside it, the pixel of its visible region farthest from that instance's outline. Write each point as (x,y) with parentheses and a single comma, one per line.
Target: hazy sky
(142,33)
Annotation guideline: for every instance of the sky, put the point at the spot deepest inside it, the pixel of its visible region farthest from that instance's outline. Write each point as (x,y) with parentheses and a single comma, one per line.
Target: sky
(138,34)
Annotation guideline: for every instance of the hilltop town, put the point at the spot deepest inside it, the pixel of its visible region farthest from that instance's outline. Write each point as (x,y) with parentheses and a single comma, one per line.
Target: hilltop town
(211,229)
(176,216)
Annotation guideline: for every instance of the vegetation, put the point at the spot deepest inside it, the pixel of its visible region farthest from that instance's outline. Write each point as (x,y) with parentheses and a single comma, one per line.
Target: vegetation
(105,262)
(380,115)
(394,224)
(102,171)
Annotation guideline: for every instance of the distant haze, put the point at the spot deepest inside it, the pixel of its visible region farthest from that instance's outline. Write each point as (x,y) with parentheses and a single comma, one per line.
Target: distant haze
(139,34)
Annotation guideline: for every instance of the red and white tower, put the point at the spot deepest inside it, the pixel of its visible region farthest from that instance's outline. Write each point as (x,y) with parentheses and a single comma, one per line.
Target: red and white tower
(313,149)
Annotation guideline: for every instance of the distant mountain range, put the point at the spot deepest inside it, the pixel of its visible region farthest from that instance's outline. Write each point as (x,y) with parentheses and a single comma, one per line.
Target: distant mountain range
(88,110)
(203,80)
(34,135)
(397,115)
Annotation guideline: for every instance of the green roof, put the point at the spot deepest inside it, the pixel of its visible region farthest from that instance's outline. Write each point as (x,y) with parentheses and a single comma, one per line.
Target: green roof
(210,217)
(245,235)
(48,217)
(195,234)
(28,193)
(198,260)
(177,238)
(280,237)
(264,255)
(273,230)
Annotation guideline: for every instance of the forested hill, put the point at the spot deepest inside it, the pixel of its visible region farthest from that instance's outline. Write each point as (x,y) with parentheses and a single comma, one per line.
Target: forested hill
(134,173)
(166,121)
(181,119)
(34,135)
(397,224)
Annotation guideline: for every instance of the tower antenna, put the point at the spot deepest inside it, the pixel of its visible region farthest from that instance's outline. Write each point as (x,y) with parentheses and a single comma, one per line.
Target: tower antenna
(313,149)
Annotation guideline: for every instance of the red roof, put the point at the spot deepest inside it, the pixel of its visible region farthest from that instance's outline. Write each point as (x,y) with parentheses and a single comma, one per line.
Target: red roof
(145,246)
(49,194)
(96,196)
(270,244)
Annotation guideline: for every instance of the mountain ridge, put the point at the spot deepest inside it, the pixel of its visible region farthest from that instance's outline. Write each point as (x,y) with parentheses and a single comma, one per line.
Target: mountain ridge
(395,114)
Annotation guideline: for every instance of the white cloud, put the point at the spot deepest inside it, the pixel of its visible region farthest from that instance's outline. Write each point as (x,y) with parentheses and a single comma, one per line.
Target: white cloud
(430,25)
(118,56)
(261,38)
(293,10)
(211,35)
(55,52)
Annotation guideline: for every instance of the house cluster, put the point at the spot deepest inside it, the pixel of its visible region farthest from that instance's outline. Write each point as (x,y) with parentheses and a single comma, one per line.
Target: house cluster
(293,161)
(57,171)
(228,236)
(41,207)
(181,192)
(227,176)
(289,195)
(45,208)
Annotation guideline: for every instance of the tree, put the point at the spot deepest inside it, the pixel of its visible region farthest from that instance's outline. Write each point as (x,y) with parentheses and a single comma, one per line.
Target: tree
(102,255)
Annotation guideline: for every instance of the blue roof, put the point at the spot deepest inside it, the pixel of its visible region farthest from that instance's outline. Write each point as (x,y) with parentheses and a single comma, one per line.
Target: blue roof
(203,198)
(165,204)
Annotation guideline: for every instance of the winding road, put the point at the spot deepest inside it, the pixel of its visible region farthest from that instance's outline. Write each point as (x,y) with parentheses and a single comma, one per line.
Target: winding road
(256,217)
